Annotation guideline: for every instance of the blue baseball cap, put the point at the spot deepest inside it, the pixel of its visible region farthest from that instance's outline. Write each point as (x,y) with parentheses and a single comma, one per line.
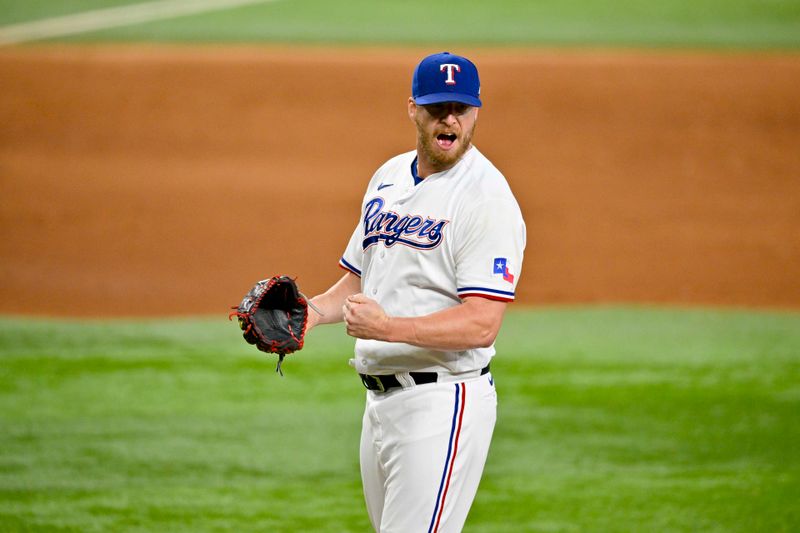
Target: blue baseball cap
(446,77)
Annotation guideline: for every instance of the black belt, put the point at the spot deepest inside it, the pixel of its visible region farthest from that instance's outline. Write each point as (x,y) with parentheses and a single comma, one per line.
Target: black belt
(384,383)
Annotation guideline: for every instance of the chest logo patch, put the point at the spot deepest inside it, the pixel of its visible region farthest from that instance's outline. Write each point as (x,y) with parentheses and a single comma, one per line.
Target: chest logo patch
(416,231)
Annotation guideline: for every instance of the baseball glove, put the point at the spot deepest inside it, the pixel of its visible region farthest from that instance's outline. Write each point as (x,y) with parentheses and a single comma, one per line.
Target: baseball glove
(273,316)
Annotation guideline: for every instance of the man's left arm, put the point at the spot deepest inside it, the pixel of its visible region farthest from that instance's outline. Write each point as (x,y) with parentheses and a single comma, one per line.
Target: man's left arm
(474,323)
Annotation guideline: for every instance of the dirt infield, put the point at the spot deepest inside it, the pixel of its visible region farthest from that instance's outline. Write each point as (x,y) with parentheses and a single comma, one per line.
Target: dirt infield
(144,180)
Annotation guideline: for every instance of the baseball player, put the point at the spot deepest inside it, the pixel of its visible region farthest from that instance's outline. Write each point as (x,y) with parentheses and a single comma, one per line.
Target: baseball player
(430,268)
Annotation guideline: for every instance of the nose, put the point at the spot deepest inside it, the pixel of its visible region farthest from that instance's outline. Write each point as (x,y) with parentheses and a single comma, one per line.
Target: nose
(449,113)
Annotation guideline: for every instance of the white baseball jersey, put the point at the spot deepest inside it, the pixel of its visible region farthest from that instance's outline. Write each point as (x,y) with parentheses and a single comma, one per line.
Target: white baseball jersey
(422,245)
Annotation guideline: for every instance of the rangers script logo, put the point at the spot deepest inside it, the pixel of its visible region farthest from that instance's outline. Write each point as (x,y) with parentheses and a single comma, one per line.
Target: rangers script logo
(391,228)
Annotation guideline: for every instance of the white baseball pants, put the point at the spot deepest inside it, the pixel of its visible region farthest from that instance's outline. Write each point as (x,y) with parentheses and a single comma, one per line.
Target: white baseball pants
(423,450)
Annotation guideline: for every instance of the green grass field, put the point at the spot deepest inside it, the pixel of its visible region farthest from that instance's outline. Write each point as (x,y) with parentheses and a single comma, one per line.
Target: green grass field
(610,419)
(683,23)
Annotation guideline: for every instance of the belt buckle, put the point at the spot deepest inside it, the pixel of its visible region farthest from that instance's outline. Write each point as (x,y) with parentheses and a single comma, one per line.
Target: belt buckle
(375,379)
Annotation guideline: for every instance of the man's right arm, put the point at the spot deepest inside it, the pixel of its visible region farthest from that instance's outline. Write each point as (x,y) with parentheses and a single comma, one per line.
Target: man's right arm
(331,301)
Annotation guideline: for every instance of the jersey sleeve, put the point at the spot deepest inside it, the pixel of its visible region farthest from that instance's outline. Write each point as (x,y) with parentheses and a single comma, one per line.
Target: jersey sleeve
(491,242)
(353,255)
(353,258)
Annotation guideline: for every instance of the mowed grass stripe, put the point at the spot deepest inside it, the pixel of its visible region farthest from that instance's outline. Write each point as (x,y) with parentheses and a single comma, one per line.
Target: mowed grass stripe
(610,419)
(701,23)
(113,17)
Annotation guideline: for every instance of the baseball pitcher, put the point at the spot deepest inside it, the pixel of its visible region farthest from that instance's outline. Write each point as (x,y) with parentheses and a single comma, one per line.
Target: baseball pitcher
(430,267)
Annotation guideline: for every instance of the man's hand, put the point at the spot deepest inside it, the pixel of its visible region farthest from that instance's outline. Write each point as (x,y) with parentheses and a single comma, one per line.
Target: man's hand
(365,318)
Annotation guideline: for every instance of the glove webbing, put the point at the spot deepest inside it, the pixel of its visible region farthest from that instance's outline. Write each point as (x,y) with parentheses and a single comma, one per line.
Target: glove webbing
(274,344)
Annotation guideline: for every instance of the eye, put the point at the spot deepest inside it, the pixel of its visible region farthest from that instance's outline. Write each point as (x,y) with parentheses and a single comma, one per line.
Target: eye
(442,110)
(436,110)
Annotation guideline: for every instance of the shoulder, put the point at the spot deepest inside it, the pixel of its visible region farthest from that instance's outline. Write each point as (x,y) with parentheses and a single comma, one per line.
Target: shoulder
(391,167)
(398,163)
(485,183)
(401,161)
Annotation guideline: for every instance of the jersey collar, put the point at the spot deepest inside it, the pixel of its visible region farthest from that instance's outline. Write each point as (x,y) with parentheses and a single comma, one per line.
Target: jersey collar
(414,173)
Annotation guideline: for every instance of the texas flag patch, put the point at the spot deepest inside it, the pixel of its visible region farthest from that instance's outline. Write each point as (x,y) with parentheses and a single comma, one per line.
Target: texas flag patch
(502,267)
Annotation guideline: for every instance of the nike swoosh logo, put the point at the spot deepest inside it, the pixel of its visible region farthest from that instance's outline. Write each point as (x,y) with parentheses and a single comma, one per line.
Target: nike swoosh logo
(384,185)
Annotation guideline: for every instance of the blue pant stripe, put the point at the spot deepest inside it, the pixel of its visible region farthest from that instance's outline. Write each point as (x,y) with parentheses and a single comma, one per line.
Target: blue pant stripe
(446,463)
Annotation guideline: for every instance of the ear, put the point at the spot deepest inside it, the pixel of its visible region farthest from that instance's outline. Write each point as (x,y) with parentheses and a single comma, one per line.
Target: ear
(412,108)
(474,112)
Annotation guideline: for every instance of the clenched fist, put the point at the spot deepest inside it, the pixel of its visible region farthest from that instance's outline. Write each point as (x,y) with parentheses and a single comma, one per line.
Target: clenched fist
(365,318)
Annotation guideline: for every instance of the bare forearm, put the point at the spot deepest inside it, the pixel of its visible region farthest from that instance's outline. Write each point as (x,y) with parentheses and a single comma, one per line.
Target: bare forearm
(330,302)
(472,324)
(450,329)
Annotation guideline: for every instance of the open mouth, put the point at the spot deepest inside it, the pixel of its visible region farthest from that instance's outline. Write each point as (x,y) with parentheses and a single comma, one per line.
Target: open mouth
(446,140)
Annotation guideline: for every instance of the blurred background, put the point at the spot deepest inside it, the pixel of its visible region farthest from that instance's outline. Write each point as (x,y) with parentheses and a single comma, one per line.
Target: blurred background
(157,158)
(134,155)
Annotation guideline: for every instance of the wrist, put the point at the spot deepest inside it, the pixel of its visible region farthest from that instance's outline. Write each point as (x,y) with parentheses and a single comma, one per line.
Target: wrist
(314,318)
(400,330)
(388,332)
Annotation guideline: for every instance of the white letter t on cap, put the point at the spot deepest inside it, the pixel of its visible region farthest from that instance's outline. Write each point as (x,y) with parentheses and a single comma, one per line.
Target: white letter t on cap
(451,69)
